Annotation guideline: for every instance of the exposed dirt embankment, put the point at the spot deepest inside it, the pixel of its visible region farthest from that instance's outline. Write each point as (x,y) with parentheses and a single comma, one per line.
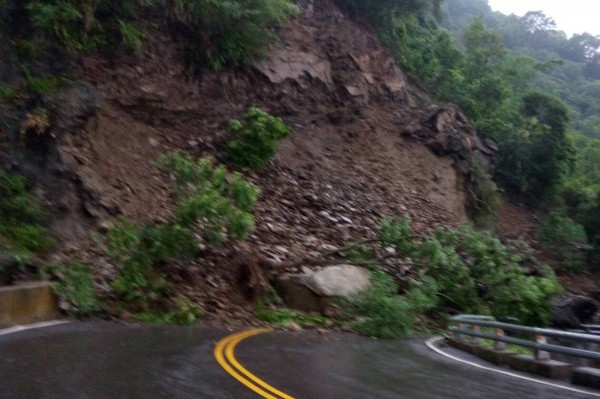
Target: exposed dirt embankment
(345,168)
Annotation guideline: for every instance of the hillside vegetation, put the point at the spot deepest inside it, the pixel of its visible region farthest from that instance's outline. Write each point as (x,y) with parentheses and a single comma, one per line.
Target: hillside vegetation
(152,127)
(523,83)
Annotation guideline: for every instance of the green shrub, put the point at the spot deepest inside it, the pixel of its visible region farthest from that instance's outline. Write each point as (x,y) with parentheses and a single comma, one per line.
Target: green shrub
(451,271)
(219,33)
(7,93)
(231,32)
(566,238)
(378,311)
(72,22)
(255,139)
(210,201)
(483,198)
(181,311)
(270,309)
(379,10)
(76,287)
(284,316)
(220,201)
(22,219)
(474,272)
(40,84)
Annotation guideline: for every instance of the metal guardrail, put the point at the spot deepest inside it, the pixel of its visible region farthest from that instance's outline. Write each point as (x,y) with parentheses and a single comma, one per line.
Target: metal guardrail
(470,325)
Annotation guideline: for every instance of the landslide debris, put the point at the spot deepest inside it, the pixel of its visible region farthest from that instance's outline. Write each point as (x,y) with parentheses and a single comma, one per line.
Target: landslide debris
(365,146)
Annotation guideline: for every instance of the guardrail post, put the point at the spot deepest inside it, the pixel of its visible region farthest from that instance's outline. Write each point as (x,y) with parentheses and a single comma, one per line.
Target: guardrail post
(457,334)
(499,345)
(540,354)
(476,329)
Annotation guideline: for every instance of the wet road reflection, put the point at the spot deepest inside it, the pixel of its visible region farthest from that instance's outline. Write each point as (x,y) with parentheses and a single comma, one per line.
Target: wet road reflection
(112,361)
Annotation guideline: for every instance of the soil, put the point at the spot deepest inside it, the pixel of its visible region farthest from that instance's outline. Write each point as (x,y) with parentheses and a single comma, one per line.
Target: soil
(346,166)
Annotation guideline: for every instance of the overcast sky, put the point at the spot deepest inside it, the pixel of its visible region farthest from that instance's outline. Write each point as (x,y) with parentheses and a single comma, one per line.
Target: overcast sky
(571,16)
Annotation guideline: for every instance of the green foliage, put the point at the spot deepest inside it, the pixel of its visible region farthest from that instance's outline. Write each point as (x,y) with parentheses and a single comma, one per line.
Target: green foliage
(40,84)
(182,312)
(475,273)
(231,32)
(76,287)
(72,22)
(490,84)
(483,199)
(378,311)
(7,93)
(21,218)
(219,33)
(381,11)
(270,310)
(131,36)
(209,195)
(452,270)
(210,201)
(397,232)
(285,316)
(85,26)
(533,162)
(255,138)
(566,238)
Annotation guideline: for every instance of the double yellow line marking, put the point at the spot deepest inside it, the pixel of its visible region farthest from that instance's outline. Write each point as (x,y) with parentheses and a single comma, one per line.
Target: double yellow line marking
(224,353)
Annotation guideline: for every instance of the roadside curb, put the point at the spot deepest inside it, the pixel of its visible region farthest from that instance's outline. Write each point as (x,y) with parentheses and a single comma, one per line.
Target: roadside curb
(28,303)
(431,344)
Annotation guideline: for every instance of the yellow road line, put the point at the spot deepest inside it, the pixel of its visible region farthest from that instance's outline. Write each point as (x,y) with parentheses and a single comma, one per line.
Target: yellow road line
(224,353)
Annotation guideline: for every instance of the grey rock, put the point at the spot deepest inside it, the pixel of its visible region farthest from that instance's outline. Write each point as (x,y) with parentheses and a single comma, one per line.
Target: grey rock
(340,280)
(571,311)
(72,105)
(315,291)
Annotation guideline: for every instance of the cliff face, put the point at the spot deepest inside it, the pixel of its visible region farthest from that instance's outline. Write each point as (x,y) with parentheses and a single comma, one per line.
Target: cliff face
(348,164)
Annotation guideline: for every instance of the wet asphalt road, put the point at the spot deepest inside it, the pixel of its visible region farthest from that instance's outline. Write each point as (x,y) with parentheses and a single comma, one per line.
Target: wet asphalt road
(114,361)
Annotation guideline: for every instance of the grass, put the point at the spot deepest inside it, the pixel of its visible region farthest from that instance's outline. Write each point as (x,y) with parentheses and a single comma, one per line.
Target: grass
(284,317)
(521,350)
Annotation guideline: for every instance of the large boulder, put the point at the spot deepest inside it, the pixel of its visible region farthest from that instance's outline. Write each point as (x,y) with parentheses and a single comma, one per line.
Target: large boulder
(315,291)
(446,131)
(572,311)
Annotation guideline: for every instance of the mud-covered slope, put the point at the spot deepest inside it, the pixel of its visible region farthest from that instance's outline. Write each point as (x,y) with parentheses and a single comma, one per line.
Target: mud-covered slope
(346,166)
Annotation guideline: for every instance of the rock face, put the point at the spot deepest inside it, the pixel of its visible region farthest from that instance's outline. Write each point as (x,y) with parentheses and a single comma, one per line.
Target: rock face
(446,131)
(571,312)
(73,105)
(315,291)
(343,171)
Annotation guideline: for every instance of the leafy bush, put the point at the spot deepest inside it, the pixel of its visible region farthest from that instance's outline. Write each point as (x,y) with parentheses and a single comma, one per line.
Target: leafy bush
(566,238)
(270,309)
(21,218)
(378,311)
(7,93)
(483,198)
(71,21)
(379,10)
(219,33)
(231,32)
(85,26)
(76,287)
(451,271)
(255,139)
(284,316)
(210,201)
(474,272)
(181,311)
(220,201)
